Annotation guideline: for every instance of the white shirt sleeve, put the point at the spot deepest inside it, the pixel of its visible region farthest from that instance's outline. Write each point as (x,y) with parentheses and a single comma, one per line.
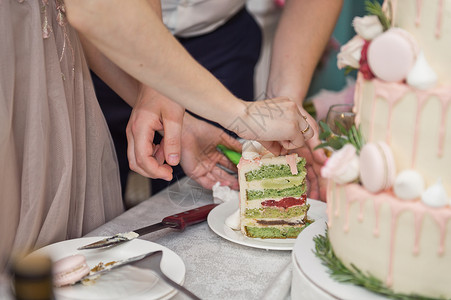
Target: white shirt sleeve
(186,18)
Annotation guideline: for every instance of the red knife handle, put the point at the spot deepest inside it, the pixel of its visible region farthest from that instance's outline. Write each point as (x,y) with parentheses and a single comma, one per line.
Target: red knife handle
(190,217)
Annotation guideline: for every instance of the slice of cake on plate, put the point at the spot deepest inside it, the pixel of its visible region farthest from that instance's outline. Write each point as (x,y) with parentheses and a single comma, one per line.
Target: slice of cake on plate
(272,193)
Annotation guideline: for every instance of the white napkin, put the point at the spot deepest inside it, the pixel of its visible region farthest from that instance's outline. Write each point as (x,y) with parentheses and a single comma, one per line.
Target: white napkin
(223,194)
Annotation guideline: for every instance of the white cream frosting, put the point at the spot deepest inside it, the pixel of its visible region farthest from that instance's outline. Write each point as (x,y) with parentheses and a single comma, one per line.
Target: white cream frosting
(233,221)
(251,150)
(128,235)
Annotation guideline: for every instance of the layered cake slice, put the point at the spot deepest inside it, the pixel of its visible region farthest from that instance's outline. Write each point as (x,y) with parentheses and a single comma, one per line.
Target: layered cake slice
(272,193)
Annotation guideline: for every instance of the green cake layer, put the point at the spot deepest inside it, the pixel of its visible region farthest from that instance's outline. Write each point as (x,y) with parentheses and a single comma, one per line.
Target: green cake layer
(275,212)
(274,232)
(281,183)
(275,171)
(294,191)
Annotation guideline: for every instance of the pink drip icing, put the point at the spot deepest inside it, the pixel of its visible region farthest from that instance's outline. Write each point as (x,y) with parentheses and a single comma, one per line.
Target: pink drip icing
(330,202)
(396,210)
(377,208)
(350,198)
(348,204)
(438,29)
(418,16)
(445,100)
(373,114)
(360,217)
(337,209)
(392,92)
(422,97)
(337,206)
(441,221)
(291,161)
(358,98)
(418,222)
(440,215)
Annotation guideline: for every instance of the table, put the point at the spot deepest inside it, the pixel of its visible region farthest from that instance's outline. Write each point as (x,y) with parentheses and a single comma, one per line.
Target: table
(215,268)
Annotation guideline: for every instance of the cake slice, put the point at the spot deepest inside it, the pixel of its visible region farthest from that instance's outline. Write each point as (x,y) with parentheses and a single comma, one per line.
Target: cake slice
(272,193)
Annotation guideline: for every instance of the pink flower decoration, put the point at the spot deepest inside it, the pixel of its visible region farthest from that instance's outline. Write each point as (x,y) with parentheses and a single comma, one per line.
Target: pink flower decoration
(343,166)
(364,67)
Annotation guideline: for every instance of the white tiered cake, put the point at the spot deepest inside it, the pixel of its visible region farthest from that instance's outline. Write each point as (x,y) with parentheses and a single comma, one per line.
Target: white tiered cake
(394,221)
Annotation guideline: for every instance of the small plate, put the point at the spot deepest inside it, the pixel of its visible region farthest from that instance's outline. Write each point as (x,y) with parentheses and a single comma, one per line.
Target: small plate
(124,282)
(216,221)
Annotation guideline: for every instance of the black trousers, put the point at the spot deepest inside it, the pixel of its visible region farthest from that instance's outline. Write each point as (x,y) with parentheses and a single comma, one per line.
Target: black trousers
(230,53)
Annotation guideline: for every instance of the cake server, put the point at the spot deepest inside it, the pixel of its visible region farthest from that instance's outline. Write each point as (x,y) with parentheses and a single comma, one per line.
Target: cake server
(233,156)
(153,262)
(178,221)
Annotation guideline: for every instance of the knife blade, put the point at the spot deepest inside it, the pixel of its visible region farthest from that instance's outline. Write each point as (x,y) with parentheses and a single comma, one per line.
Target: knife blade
(117,264)
(178,221)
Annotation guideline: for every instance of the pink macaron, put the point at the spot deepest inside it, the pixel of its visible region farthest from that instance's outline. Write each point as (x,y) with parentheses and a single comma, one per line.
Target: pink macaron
(377,167)
(392,55)
(69,270)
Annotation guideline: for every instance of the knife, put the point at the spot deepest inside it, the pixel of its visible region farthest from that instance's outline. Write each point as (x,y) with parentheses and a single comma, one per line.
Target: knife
(177,221)
(116,264)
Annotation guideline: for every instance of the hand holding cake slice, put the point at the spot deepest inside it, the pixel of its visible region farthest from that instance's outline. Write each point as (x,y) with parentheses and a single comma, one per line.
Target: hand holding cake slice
(273,203)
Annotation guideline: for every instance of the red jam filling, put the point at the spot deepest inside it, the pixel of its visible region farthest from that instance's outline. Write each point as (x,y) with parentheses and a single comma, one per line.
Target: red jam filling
(286,202)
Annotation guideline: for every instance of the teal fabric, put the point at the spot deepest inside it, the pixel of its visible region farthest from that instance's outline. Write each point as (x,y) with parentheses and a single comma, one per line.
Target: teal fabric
(328,76)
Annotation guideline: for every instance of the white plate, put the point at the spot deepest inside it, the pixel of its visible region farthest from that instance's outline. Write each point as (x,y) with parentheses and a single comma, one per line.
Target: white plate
(216,221)
(318,274)
(124,282)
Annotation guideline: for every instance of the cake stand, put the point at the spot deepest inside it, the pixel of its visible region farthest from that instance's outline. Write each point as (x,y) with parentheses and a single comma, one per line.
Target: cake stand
(311,279)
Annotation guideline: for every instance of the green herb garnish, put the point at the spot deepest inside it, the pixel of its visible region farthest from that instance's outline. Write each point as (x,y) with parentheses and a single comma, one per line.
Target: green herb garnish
(352,136)
(375,8)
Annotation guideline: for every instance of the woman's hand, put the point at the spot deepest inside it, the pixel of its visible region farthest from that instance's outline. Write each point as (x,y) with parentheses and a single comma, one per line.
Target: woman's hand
(277,123)
(200,158)
(154,112)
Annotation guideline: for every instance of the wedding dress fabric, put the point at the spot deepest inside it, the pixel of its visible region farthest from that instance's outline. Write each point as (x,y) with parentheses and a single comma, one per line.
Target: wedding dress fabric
(58,171)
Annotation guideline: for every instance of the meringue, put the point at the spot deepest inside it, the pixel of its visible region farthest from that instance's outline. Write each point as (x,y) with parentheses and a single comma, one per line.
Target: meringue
(421,76)
(409,185)
(435,195)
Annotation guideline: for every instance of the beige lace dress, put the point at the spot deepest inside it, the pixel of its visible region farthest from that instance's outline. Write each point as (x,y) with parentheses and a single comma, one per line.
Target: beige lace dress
(58,171)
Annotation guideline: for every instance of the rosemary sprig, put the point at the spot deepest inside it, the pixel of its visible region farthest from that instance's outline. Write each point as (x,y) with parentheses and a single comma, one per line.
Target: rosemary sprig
(336,142)
(375,8)
(339,272)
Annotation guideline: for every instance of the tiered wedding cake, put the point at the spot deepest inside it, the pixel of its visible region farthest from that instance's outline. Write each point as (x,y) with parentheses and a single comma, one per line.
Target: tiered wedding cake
(389,211)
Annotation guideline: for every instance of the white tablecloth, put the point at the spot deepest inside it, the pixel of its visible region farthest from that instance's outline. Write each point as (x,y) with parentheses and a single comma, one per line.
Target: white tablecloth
(215,268)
